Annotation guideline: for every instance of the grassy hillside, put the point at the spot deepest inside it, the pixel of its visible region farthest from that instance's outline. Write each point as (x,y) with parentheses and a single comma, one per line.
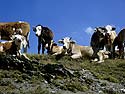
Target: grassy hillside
(45,74)
(111,70)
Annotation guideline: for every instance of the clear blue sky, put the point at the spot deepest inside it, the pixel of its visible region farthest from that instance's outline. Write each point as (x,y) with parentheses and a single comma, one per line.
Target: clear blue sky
(73,18)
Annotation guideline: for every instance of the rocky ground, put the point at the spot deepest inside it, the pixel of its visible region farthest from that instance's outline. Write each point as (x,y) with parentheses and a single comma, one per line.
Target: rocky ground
(34,76)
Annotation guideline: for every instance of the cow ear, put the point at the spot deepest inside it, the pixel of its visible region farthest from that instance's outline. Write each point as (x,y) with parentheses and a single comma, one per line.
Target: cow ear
(19,31)
(95,29)
(73,41)
(70,38)
(60,41)
(113,28)
(103,28)
(34,28)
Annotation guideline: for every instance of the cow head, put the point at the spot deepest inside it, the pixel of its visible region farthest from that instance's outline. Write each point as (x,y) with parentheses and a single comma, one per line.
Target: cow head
(109,28)
(17,31)
(110,33)
(100,33)
(97,39)
(100,30)
(19,40)
(67,42)
(37,30)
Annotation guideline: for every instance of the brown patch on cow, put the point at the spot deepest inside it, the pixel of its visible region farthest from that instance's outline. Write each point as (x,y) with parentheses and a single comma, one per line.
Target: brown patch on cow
(8,47)
(7,29)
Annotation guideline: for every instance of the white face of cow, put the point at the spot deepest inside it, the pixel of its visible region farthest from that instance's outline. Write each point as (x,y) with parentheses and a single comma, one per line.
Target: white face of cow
(66,42)
(108,28)
(19,40)
(38,30)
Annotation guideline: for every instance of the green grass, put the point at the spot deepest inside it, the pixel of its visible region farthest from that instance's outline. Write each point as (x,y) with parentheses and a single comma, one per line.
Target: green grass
(111,70)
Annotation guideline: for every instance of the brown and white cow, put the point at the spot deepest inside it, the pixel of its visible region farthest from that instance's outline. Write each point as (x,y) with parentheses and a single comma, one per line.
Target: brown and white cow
(78,51)
(45,36)
(110,36)
(8,29)
(14,46)
(56,50)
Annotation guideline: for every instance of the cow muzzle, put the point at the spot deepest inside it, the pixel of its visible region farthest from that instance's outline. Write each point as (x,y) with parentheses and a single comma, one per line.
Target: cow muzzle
(36,35)
(64,47)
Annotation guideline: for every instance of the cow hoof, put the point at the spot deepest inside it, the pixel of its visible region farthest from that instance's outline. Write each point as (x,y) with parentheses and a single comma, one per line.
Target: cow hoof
(94,60)
(100,61)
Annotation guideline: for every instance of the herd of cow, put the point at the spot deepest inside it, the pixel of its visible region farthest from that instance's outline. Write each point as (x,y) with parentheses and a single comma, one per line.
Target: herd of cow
(105,43)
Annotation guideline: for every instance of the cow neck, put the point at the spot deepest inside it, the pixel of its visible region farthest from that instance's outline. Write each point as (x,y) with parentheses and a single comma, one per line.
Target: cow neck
(70,48)
(41,38)
(44,32)
(51,46)
(13,49)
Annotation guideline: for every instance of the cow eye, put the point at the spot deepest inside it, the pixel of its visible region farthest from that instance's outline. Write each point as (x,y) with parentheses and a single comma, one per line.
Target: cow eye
(39,29)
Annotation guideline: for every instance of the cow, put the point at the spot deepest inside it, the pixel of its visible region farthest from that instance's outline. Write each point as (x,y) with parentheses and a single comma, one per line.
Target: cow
(45,36)
(78,51)
(14,46)
(55,49)
(110,36)
(97,40)
(7,29)
(120,42)
(103,37)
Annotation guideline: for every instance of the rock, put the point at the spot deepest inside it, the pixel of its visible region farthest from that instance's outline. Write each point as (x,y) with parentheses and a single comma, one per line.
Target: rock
(14,62)
(55,69)
(50,78)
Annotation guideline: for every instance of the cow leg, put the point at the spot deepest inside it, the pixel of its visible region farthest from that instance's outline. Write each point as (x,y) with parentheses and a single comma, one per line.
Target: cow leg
(75,56)
(108,48)
(113,51)
(48,48)
(95,51)
(121,50)
(0,35)
(100,56)
(39,44)
(27,39)
(39,47)
(43,48)
(25,46)
(123,53)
